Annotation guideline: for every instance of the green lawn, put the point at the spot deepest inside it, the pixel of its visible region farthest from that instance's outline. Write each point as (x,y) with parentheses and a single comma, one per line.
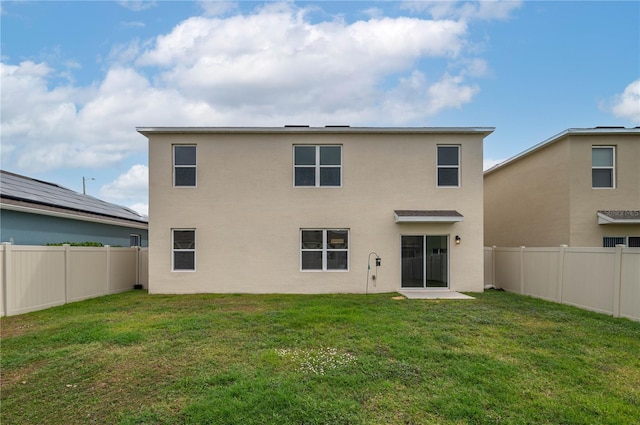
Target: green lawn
(135,358)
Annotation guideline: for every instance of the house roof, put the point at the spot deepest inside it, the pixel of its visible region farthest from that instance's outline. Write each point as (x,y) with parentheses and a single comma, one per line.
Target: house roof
(25,194)
(619,217)
(305,129)
(427,216)
(597,131)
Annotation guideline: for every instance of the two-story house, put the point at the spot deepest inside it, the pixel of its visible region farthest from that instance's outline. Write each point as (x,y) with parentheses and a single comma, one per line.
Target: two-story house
(579,188)
(301,209)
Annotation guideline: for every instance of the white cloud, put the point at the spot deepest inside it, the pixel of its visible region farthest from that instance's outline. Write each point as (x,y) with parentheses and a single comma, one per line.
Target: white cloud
(276,63)
(450,92)
(272,66)
(627,104)
(415,97)
(140,208)
(373,12)
(217,8)
(465,10)
(128,188)
(488,163)
(137,5)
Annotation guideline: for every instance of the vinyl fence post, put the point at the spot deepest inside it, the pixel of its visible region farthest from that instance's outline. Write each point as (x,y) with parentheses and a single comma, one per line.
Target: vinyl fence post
(522,270)
(560,288)
(617,280)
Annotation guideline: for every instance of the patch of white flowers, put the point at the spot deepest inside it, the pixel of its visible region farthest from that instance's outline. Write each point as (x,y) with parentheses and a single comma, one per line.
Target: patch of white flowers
(318,362)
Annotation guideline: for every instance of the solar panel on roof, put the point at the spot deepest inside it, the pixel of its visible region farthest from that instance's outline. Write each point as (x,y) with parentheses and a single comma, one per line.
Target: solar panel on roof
(31,190)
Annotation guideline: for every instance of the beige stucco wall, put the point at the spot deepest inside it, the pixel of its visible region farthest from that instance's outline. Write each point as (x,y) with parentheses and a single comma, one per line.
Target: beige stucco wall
(248,215)
(527,201)
(586,201)
(545,197)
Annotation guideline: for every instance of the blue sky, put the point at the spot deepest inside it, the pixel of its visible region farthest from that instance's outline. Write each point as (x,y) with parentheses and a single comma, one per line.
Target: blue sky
(78,77)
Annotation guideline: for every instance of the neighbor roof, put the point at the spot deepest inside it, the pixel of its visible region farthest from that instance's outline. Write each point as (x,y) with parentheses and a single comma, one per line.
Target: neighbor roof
(36,196)
(597,131)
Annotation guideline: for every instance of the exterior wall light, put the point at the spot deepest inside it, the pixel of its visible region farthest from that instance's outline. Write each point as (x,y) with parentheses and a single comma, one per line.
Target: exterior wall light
(458,240)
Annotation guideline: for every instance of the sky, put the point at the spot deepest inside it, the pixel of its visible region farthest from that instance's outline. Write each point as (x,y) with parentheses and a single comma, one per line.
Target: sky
(78,77)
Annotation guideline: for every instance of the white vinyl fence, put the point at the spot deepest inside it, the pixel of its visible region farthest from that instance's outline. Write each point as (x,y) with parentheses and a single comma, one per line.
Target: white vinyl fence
(38,277)
(606,280)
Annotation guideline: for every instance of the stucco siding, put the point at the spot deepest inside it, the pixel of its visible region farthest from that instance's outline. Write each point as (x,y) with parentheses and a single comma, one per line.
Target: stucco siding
(248,214)
(527,202)
(586,201)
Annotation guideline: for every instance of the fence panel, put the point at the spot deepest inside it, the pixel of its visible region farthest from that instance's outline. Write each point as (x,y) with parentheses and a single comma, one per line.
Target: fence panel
(38,278)
(630,284)
(143,277)
(87,273)
(508,269)
(606,280)
(589,278)
(488,267)
(540,267)
(122,269)
(2,279)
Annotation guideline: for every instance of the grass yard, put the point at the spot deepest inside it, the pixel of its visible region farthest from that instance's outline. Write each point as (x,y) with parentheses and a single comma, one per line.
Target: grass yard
(135,358)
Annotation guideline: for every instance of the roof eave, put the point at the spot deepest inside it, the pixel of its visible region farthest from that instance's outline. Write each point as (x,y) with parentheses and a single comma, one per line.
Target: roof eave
(94,218)
(483,131)
(568,132)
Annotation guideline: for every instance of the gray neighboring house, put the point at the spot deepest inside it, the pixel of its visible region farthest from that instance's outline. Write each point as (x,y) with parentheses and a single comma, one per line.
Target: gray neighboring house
(35,212)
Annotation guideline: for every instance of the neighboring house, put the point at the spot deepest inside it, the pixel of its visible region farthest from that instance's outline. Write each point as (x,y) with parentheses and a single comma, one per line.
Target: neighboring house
(579,188)
(35,212)
(305,209)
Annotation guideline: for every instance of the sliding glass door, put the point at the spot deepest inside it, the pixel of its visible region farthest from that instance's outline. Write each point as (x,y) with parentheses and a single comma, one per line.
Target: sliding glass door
(425,262)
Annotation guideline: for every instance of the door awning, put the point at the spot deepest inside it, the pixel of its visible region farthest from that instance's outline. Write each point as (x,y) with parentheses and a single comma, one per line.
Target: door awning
(428,216)
(619,217)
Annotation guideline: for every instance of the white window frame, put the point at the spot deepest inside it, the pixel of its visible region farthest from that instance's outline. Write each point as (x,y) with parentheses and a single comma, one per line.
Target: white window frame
(137,236)
(457,167)
(174,250)
(175,166)
(317,166)
(326,250)
(611,167)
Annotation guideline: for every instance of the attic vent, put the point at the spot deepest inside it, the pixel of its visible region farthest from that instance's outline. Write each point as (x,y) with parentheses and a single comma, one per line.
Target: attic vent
(610,126)
(337,126)
(296,125)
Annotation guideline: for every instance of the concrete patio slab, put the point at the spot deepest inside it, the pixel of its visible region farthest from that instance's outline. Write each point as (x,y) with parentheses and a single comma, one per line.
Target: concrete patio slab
(434,294)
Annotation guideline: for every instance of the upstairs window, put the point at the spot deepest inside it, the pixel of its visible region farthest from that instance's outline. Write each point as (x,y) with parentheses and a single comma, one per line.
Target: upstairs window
(184,165)
(184,250)
(448,166)
(603,167)
(317,166)
(324,249)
